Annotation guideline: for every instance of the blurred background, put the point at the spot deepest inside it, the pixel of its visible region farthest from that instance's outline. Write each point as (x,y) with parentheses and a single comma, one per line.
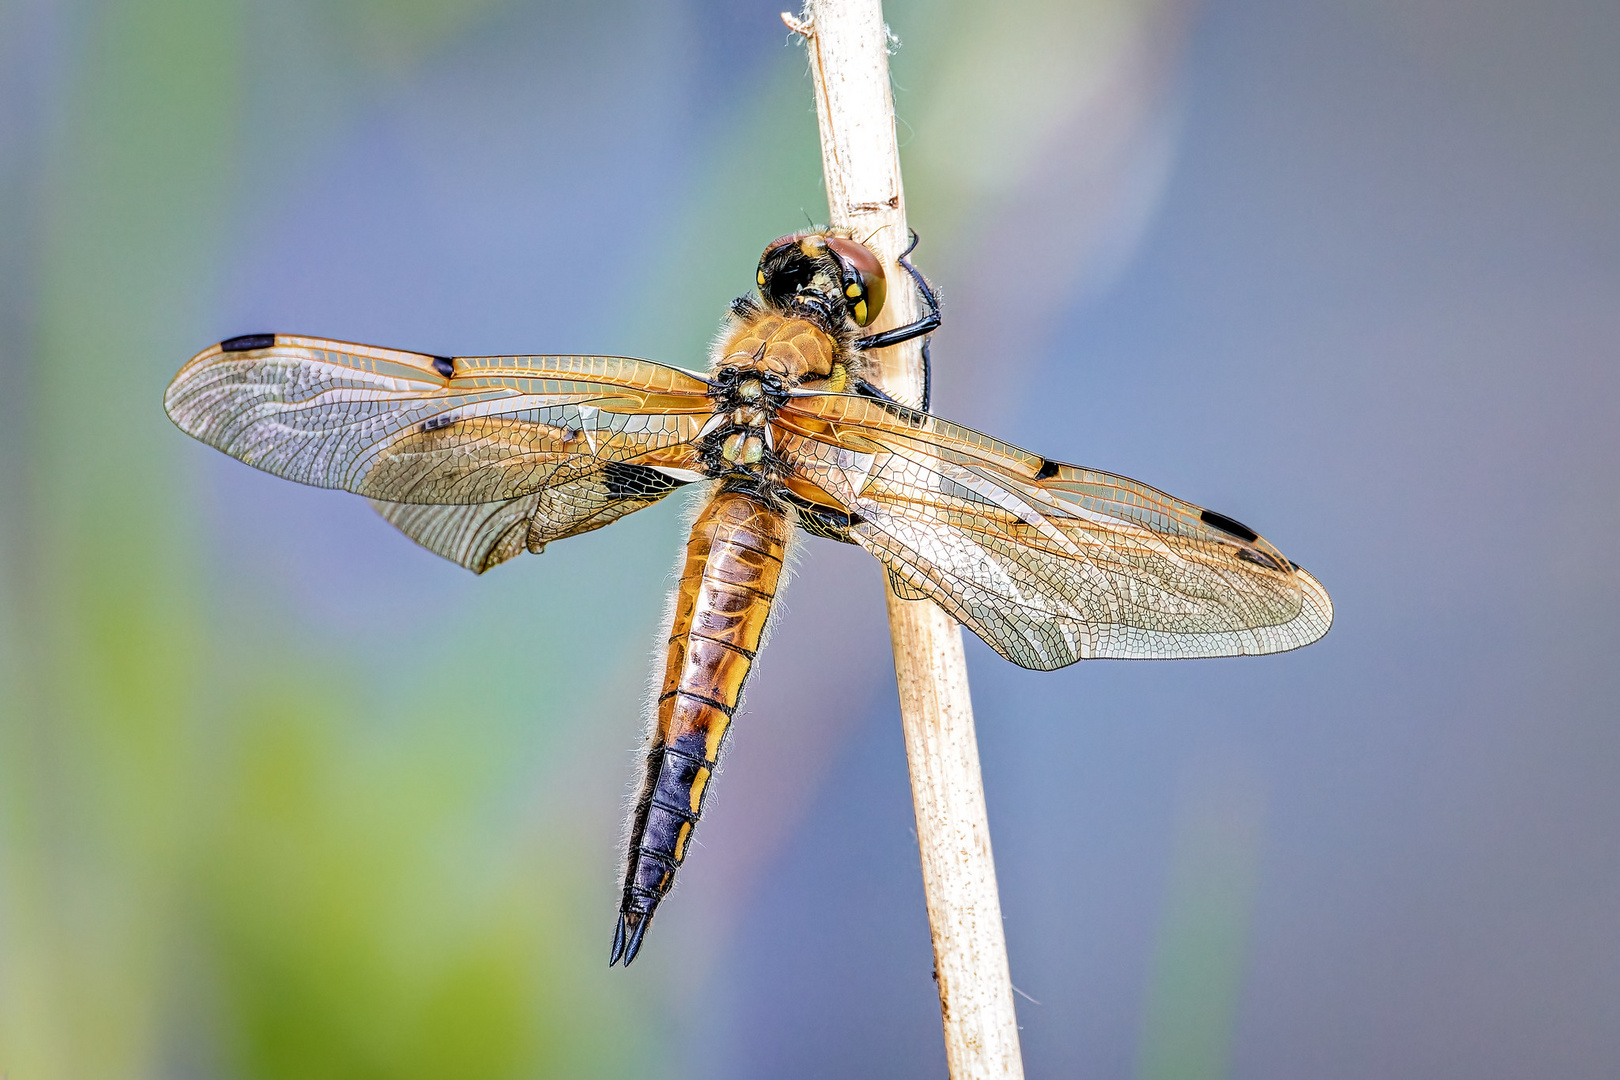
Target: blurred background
(282,795)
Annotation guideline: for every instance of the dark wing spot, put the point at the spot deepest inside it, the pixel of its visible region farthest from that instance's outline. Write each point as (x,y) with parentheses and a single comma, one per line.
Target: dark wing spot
(1048,469)
(1259,558)
(247,342)
(627,481)
(906,416)
(1227,525)
(828,524)
(443,366)
(821,520)
(443,420)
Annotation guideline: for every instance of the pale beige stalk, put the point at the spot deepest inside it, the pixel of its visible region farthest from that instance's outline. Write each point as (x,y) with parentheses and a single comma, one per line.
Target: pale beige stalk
(848,46)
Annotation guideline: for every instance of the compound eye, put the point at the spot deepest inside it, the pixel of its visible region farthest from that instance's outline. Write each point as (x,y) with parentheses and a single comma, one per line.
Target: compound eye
(865,286)
(780,242)
(772,248)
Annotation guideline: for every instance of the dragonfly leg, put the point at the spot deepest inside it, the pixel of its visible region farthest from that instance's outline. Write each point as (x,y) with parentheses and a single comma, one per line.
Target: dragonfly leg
(872,390)
(922,327)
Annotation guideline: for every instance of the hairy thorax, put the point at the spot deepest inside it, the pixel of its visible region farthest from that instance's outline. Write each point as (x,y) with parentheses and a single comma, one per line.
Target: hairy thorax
(796,349)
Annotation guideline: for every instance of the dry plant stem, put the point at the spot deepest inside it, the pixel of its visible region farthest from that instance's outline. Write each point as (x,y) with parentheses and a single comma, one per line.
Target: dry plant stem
(848,46)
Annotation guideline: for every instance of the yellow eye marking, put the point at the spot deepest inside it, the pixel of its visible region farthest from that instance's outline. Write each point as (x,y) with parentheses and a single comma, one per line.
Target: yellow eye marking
(761,277)
(860,313)
(852,291)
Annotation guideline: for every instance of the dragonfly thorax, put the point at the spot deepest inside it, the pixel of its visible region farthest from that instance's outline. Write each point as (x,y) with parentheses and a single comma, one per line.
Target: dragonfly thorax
(738,437)
(796,349)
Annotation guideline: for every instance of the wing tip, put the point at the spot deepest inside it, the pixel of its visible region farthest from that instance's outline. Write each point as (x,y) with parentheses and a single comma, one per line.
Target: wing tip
(1314,599)
(240,343)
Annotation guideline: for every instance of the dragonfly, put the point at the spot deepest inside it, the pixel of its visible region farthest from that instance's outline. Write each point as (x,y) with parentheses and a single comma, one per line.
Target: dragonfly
(482,458)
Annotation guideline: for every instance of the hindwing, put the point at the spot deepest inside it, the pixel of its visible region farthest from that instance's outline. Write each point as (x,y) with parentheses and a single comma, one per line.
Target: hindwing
(1048,563)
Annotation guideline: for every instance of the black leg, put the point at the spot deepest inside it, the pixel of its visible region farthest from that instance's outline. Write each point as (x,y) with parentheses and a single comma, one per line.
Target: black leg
(871,390)
(923,326)
(927,324)
(928,376)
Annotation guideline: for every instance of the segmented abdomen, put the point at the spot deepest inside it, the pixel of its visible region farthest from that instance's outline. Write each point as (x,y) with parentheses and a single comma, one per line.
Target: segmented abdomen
(733,563)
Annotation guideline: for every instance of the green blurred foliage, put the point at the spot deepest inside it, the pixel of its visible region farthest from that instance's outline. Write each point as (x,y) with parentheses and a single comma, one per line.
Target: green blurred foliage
(206,866)
(359,932)
(1196,981)
(984,96)
(394,34)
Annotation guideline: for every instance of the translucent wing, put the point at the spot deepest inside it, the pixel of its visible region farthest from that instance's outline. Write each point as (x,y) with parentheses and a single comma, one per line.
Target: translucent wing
(478,536)
(1048,563)
(483,535)
(477,458)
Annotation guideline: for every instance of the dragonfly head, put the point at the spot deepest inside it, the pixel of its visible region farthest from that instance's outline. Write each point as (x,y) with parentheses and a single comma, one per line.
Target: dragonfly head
(823,268)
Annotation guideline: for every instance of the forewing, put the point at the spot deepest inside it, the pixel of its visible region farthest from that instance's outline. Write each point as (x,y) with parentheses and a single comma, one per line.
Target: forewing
(410,428)
(476,458)
(1048,563)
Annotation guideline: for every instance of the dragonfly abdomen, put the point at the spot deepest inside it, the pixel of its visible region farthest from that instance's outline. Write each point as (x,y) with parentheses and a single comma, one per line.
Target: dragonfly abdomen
(733,564)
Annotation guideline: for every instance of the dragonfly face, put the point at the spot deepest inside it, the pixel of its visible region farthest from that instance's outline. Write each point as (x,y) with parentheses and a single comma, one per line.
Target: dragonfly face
(482,458)
(835,269)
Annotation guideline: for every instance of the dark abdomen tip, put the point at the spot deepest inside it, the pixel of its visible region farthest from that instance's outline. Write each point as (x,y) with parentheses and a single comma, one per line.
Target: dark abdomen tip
(627,937)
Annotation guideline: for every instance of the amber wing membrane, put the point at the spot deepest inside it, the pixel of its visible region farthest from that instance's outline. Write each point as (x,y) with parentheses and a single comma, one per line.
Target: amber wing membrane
(482,535)
(477,458)
(1048,563)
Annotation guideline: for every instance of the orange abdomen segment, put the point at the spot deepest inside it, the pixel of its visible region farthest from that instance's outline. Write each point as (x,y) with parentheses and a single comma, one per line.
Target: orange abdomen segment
(733,563)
